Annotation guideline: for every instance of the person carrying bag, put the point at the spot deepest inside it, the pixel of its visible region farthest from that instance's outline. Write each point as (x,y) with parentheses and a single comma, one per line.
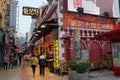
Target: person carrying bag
(34,62)
(42,64)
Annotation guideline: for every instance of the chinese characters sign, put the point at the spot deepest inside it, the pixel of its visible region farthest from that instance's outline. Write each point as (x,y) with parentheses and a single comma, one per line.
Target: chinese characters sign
(31,11)
(91,25)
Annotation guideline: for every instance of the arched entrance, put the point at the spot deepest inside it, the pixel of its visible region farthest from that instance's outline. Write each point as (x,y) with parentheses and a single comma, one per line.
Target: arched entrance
(83,46)
(94,51)
(106,49)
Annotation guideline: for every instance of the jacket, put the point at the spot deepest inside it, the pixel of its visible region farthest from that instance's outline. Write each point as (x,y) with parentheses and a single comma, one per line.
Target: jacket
(34,61)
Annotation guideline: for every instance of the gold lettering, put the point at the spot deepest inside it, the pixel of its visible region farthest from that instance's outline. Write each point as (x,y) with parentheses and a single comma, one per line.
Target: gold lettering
(25,11)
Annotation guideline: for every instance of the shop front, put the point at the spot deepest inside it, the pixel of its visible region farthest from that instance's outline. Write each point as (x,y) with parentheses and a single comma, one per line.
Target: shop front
(48,46)
(52,50)
(83,29)
(114,37)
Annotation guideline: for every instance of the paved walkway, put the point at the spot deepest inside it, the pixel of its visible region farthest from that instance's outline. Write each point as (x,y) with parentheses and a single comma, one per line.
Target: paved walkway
(105,75)
(25,73)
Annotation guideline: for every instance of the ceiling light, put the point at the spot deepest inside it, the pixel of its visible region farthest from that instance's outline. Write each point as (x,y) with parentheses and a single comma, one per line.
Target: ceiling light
(36,34)
(34,37)
(43,26)
(38,31)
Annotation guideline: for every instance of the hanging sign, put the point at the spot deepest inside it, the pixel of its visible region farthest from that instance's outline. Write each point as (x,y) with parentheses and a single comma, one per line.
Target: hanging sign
(31,11)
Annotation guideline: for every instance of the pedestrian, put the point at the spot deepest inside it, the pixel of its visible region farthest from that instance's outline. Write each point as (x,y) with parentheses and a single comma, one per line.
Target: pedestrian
(19,57)
(6,60)
(11,61)
(42,64)
(34,62)
(28,58)
(24,60)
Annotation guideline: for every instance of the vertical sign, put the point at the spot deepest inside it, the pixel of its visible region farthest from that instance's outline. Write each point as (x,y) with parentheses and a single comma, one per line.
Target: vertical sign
(13,12)
(77,45)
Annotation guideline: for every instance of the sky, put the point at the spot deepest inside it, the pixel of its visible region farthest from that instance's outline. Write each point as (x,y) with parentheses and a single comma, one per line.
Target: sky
(25,21)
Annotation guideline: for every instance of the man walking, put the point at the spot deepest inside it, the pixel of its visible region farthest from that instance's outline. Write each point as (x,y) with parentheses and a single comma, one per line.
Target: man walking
(42,63)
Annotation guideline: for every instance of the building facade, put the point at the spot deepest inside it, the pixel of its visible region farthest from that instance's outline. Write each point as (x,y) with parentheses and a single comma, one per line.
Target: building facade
(2,28)
(68,28)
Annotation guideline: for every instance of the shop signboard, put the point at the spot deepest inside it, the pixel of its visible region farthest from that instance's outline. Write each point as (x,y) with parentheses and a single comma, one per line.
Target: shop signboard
(30,11)
(96,7)
(116,54)
(91,25)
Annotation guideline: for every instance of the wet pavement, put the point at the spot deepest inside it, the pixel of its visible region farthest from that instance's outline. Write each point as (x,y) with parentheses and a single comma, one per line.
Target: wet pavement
(25,73)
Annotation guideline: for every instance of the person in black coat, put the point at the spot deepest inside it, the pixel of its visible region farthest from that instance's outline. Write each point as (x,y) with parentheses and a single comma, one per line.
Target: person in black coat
(42,64)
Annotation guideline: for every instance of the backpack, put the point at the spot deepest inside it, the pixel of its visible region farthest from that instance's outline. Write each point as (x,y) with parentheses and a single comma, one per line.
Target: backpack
(42,62)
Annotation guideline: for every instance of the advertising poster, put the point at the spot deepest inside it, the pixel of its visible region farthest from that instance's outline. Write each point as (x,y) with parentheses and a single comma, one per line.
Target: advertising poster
(116,54)
(96,7)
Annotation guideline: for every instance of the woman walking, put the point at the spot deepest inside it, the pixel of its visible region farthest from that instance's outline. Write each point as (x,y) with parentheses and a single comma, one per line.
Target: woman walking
(34,62)
(6,59)
(11,61)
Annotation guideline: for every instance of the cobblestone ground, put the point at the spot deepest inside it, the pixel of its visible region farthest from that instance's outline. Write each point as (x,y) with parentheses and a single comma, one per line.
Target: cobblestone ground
(25,73)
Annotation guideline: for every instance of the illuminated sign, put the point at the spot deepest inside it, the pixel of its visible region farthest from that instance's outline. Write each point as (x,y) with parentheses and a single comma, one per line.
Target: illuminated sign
(31,11)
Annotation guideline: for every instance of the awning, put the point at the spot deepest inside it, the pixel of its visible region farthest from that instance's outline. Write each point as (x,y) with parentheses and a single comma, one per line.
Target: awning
(50,25)
(113,35)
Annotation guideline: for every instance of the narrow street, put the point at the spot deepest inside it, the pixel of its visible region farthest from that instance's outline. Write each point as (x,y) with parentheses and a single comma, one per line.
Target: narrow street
(25,73)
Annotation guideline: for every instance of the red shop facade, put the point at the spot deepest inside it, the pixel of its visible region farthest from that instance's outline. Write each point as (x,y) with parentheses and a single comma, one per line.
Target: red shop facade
(114,38)
(84,28)
(81,28)
(75,32)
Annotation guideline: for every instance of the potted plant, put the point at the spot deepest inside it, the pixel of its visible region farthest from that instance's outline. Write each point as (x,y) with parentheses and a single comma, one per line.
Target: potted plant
(72,70)
(78,70)
(82,67)
(72,65)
